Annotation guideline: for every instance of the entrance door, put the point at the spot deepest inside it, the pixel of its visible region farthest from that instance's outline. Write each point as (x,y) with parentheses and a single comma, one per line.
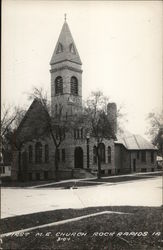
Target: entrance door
(78,157)
(134,165)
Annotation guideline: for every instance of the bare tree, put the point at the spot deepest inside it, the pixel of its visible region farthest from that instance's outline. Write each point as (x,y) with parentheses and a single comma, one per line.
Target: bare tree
(96,119)
(56,126)
(155,130)
(10,120)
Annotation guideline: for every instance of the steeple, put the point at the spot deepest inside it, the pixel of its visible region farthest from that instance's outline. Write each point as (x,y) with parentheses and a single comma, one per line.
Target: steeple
(65,49)
(66,75)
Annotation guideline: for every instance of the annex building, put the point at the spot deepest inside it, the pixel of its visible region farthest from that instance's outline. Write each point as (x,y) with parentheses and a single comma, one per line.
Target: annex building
(34,158)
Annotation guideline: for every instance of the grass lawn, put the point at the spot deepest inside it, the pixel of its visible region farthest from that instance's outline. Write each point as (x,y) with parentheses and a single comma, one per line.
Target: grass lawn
(69,184)
(100,181)
(23,184)
(123,178)
(75,184)
(107,231)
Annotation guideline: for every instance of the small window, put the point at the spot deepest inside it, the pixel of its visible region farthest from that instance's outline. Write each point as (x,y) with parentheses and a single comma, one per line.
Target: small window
(63,155)
(60,109)
(143,156)
(60,48)
(74,85)
(46,153)
(56,109)
(152,157)
(78,133)
(81,133)
(72,48)
(102,172)
(143,170)
(109,154)
(59,85)
(74,133)
(109,171)
(60,133)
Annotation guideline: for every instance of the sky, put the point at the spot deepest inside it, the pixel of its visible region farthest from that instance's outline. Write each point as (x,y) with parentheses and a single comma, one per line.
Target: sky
(119,43)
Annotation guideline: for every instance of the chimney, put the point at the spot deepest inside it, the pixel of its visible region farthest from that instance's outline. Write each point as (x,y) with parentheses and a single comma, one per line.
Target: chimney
(112,116)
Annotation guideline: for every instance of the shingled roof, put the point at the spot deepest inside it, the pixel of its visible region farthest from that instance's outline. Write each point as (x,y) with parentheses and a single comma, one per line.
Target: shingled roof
(68,50)
(135,142)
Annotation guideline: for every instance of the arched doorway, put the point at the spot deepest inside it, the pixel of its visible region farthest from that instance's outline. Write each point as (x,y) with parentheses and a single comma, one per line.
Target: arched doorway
(78,157)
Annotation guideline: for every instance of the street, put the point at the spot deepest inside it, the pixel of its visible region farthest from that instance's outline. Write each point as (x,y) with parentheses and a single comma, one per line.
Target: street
(20,201)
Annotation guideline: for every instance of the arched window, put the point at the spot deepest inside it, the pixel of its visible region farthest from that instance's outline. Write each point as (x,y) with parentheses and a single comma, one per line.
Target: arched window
(46,153)
(81,133)
(60,109)
(38,152)
(109,154)
(78,133)
(94,154)
(74,85)
(60,48)
(56,109)
(59,85)
(72,48)
(30,153)
(102,152)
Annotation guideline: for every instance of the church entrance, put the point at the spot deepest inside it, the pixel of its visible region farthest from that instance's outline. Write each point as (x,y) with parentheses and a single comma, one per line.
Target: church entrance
(78,157)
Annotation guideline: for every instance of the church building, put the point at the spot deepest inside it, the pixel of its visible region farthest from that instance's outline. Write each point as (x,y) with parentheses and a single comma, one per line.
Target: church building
(34,158)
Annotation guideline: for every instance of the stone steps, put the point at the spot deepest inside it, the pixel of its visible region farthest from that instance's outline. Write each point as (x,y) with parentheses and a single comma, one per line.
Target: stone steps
(82,173)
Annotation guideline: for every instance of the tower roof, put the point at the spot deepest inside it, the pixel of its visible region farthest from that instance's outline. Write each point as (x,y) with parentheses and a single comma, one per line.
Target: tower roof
(65,48)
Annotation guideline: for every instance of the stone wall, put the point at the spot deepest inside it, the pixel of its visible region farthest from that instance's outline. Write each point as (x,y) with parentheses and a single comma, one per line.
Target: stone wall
(70,103)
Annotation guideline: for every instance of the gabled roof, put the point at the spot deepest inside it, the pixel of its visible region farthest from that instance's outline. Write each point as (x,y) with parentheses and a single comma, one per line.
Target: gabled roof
(32,106)
(34,119)
(135,142)
(65,48)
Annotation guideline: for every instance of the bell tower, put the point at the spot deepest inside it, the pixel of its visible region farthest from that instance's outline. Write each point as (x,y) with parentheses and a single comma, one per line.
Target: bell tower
(66,75)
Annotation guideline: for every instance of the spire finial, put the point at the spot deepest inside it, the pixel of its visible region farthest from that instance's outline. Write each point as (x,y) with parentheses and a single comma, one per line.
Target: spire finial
(65,16)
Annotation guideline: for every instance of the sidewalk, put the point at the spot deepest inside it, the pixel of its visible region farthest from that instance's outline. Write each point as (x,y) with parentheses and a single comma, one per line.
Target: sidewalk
(19,201)
(95,178)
